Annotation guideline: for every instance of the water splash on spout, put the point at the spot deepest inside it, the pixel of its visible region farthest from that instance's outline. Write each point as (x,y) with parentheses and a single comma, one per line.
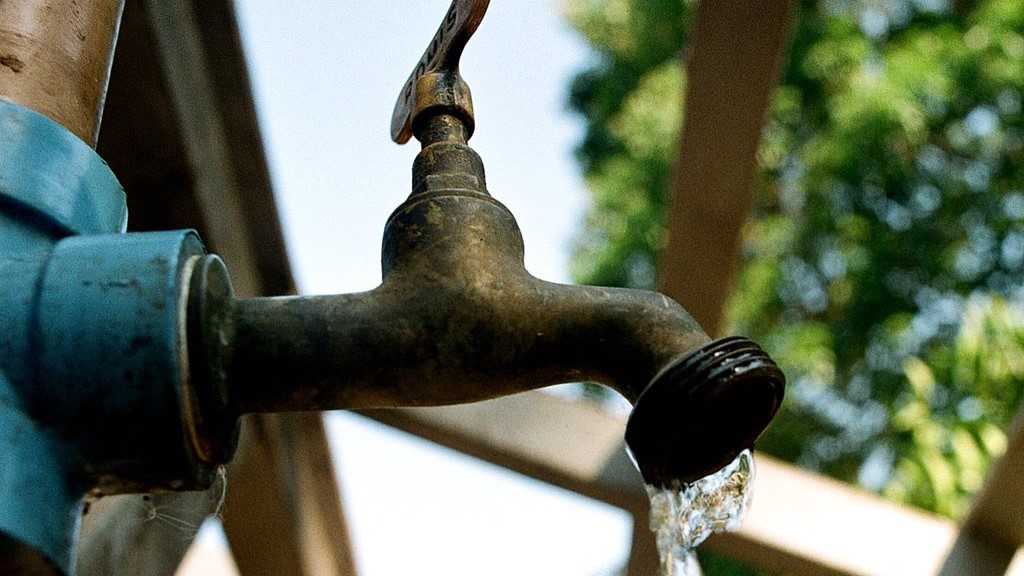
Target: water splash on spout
(684,517)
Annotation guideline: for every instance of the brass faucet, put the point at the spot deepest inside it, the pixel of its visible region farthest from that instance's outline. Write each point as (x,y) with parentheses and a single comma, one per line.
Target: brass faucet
(457,318)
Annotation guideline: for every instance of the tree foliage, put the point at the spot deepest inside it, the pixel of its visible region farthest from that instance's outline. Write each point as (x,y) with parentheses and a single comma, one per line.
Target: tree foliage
(632,101)
(883,263)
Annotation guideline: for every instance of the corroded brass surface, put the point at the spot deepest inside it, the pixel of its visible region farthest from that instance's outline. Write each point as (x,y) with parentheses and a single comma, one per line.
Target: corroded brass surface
(55,58)
(456,319)
(441,61)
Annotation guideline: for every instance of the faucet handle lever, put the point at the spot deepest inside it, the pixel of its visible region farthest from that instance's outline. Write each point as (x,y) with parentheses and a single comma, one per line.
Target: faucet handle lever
(440,64)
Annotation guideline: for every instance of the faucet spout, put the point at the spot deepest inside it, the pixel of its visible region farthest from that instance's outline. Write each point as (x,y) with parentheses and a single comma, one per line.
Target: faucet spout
(435,337)
(457,319)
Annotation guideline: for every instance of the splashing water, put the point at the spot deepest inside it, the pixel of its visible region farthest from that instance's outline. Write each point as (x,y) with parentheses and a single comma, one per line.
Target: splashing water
(684,517)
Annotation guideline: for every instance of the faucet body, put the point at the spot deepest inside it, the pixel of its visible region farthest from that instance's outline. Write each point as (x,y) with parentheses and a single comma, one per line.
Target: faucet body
(456,319)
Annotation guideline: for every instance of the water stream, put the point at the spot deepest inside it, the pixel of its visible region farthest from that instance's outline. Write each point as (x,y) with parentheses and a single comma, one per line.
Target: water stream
(683,518)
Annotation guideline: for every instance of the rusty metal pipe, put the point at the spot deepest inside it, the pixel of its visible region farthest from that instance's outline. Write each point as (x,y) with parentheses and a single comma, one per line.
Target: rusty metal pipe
(457,318)
(55,58)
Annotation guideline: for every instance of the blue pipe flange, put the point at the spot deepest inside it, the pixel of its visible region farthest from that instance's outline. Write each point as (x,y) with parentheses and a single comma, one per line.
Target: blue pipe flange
(111,358)
(52,185)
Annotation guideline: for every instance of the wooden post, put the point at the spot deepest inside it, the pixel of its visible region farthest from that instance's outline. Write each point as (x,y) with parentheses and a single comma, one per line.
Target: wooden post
(55,58)
(283,514)
(734,63)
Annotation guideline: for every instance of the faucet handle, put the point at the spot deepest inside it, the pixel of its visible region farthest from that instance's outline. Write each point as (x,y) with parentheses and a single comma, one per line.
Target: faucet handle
(435,81)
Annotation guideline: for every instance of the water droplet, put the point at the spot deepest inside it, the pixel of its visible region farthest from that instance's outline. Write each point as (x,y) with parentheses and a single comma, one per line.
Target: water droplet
(682,518)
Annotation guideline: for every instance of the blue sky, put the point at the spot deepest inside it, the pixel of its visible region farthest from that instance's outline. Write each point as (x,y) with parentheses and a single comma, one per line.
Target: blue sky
(326,76)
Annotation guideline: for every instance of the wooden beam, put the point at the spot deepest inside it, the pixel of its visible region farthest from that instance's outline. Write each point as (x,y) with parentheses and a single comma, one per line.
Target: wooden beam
(643,555)
(283,513)
(735,57)
(285,516)
(530,433)
(226,84)
(139,137)
(974,556)
(994,529)
(195,105)
(800,524)
(991,517)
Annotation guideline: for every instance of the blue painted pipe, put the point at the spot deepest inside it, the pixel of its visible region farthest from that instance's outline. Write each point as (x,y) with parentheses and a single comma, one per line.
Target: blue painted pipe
(93,366)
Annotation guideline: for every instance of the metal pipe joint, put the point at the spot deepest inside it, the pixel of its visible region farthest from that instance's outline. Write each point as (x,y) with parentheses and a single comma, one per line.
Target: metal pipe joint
(94,386)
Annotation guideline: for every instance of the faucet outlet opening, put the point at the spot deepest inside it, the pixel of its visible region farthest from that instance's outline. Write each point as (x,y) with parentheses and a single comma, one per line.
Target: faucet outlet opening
(701,411)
